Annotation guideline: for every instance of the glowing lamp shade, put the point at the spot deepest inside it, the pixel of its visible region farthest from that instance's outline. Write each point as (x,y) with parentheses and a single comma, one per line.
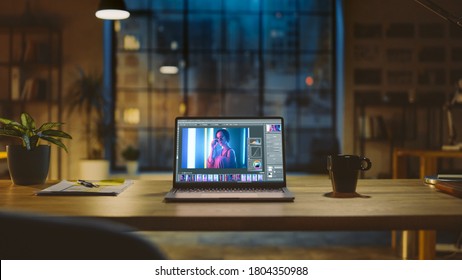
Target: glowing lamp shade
(112,10)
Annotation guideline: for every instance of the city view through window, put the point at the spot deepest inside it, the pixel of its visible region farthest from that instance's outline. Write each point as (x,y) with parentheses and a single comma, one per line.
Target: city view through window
(224,58)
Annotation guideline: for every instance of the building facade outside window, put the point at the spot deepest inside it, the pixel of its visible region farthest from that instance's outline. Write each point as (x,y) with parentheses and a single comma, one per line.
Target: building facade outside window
(225,58)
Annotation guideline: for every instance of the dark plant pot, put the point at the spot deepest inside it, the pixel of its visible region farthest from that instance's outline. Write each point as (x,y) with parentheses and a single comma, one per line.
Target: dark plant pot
(28,167)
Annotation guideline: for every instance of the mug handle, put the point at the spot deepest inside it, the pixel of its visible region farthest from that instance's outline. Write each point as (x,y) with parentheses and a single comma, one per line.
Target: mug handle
(366,164)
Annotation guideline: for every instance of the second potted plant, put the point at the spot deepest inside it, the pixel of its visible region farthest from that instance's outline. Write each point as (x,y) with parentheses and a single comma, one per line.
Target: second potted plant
(86,96)
(131,155)
(29,162)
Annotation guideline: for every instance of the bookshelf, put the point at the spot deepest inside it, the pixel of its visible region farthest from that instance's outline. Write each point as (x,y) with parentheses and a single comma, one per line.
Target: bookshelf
(384,123)
(402,74)
(31,72)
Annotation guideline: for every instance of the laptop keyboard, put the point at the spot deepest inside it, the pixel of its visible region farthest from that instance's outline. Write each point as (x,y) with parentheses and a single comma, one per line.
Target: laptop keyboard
(229,190)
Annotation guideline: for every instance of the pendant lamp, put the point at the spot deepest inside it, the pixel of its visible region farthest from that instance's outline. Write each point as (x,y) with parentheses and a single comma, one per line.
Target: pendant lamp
(112,10)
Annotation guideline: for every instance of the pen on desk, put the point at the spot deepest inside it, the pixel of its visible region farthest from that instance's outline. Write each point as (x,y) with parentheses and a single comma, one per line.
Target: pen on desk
(87,184)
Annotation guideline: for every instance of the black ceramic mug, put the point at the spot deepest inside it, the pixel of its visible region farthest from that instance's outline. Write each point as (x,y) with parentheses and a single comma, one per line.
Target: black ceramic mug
(344,171)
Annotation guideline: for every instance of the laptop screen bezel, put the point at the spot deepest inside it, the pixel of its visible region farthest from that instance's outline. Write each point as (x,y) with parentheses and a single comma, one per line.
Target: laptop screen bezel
(264,184)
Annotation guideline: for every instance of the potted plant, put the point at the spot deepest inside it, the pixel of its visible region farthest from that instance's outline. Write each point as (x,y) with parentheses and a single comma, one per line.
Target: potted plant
(29,162)
(86,96)
(131,155)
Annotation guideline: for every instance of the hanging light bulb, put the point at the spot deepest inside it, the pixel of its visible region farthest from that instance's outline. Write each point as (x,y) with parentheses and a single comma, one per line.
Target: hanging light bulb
(112,9)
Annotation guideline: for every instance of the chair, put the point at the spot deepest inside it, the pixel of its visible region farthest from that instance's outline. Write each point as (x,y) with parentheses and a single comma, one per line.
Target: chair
(32,236)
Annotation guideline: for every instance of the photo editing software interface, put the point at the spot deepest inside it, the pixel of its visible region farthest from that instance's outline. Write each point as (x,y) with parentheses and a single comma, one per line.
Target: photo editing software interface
(235,151)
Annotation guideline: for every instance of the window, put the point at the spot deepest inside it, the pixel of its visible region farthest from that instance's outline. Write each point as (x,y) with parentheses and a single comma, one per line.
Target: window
(224,58)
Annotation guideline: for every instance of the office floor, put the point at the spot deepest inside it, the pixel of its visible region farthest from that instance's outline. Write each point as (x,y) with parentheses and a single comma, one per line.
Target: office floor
(278,245)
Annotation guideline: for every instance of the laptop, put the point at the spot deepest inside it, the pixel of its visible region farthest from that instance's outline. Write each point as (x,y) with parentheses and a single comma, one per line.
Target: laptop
(229,159)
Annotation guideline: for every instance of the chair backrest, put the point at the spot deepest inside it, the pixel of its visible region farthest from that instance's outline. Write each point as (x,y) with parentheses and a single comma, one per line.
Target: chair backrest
(32,236)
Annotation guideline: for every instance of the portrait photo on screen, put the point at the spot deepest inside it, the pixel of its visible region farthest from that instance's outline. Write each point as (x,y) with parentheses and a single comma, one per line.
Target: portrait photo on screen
(212,148)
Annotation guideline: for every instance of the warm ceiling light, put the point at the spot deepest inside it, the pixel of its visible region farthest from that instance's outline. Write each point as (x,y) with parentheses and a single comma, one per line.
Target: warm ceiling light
(168,70)
(112,9)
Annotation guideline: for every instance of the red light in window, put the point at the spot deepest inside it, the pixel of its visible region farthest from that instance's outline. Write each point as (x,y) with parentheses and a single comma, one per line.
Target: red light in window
(309,81)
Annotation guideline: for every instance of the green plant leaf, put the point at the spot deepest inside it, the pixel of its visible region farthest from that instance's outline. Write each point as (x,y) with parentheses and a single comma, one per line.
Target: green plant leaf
(30,136)
(130,153)
(55,133)
(10,132)
(16,126)
(27,121)
(55,141)
(12,125)
(5,121)
(49,125)
(86,96)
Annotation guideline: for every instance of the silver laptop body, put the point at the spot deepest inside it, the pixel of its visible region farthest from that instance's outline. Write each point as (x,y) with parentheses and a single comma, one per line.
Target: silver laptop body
(229,159)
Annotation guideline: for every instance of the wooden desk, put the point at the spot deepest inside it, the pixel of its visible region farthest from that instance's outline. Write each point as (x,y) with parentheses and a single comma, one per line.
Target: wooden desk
(428,165)
(427,161)
(393,205)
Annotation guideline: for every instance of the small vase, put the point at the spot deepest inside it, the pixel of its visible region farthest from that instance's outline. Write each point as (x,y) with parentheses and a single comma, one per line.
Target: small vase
(132,167)
(94,169)
(28,167)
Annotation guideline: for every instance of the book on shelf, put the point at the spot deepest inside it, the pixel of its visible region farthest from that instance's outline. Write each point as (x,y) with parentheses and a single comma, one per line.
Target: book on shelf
(455,147)
(15,83)
(29,51)
(35,89)
(27,89)
(43,52)
(36,52)
(372,127)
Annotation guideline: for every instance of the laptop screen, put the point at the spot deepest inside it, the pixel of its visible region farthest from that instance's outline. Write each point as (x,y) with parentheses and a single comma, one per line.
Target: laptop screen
(229,150)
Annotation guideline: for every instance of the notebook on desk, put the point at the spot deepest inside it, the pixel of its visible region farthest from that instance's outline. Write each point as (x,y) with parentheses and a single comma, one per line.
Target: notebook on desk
(229,159)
